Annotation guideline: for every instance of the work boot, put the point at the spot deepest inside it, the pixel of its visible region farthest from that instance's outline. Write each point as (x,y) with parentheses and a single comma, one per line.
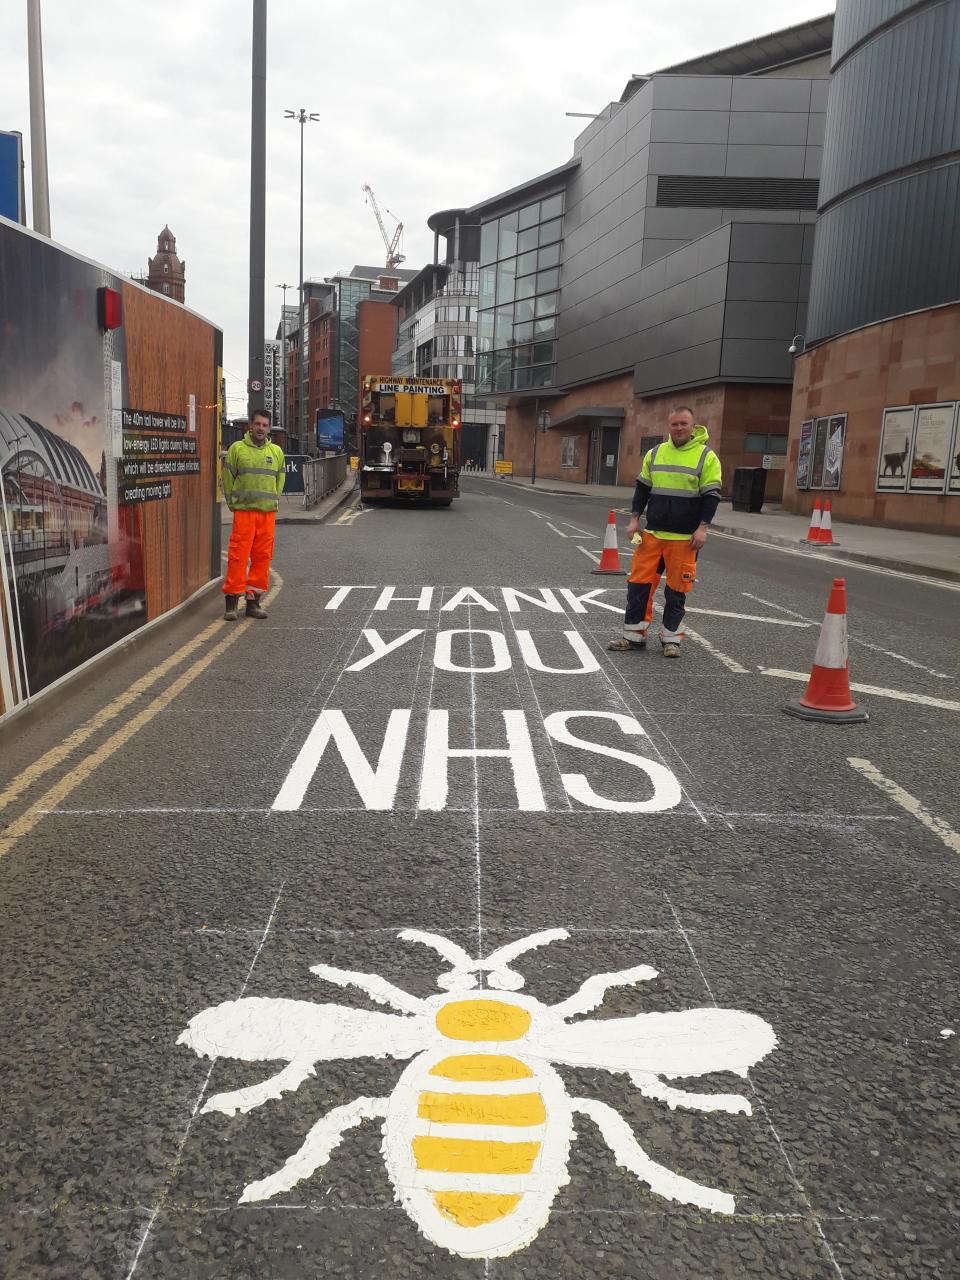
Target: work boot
(623,645)
(671,650)
(230,608)
(254,608)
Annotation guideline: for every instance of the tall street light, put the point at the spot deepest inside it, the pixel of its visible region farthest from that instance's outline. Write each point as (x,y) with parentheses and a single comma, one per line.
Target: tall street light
(38,122)
(283,355)
(301,118)
(258,211)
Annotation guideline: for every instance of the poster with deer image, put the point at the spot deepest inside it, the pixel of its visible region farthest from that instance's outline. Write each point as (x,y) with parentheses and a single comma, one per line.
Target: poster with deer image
(931,448)
(895,441)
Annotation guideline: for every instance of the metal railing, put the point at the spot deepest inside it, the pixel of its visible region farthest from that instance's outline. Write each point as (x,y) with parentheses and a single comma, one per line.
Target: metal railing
(321,476)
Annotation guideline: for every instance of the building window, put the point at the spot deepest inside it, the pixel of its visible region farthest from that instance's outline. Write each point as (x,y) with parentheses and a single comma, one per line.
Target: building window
(757,442)
(166,288)
(166,267)
(519,282)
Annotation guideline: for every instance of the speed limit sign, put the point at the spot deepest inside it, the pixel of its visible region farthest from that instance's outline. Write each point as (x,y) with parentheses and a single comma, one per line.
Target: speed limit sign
(256,384)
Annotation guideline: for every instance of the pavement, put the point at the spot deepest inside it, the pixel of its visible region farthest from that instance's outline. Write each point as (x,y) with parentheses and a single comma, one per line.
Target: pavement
(929,554)
(688,961)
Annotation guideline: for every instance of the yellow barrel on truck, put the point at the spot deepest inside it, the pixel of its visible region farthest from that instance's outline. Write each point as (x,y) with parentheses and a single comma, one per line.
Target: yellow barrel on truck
(410,430)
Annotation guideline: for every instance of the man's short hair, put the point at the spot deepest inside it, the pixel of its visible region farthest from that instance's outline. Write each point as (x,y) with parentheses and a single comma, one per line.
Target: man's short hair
(262,413)
(683,408)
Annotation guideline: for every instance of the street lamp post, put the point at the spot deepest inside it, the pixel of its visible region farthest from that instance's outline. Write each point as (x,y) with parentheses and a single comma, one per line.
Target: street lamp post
(541,422)
(302,117)
(283,354)
(38,122)
(258,199)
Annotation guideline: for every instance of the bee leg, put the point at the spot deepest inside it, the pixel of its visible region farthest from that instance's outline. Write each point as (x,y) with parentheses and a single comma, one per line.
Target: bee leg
(319,1144)
(652,1086)
(620,1139)
(591,993)
(290,1078)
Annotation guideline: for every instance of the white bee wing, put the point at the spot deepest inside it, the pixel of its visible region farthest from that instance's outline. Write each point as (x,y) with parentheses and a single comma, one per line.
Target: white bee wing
(691,1042)
(258,1028)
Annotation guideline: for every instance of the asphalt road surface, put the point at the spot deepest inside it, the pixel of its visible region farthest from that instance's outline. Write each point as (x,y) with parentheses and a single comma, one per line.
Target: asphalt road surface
(222,1059)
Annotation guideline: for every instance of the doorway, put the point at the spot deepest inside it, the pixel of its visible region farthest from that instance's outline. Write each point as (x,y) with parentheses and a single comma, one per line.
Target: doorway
(604,453)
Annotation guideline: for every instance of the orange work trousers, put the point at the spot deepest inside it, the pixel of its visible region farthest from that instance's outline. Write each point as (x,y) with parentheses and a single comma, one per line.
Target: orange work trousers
(652,556)
(251,542)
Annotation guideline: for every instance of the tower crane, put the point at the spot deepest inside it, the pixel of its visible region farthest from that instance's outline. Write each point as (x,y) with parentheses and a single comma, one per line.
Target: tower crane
(393,257)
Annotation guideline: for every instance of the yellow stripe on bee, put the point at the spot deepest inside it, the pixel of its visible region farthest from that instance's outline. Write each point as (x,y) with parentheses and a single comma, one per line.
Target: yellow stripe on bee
(482,1020)
(482,1108)
(462,1155)
(474,1208)
(481,1067)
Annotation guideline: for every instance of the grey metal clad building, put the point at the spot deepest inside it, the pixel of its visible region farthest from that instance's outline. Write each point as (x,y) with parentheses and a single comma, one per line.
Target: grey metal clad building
(673,249)
(888,238)
(880,378)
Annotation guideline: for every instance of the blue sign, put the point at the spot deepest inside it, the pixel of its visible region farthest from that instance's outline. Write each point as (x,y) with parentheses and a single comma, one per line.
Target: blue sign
(329,429)
(294,466)
(11,177)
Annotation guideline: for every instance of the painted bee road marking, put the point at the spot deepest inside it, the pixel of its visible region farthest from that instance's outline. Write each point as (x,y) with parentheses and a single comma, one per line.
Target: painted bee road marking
(478,1129)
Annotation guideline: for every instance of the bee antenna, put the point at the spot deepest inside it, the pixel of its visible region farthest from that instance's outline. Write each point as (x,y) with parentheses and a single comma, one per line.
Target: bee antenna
(498,963)
(462,962)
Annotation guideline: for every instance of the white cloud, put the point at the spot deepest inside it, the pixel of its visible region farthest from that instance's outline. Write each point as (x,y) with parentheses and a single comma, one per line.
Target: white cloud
(148,110)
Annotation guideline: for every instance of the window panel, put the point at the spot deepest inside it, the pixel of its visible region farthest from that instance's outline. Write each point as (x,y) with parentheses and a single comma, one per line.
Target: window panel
(542,376)
(488,284)
(547,304)
(508,236)
(526,263)
(527,240)
(545,328)
(529,216)
(543,353)
(754,443)
(506,281)
(488,242)
(503,327)
(776,445)
(521,379)
(548,280)
(551,207)
(526,286)
(523,310)
(524,332)
(551,231)
(549,257)
(485,331)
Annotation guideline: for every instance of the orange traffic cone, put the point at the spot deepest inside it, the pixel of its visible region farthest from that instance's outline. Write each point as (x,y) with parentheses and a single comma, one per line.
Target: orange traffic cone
(828,691)
(826,527)
(610,556)
(813,533)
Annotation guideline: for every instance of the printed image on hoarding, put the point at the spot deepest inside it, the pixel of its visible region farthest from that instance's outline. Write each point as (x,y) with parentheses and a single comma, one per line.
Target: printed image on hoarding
(953,479)
(931,448)
(895,441)
(75,576)
(805,455)
(833,452)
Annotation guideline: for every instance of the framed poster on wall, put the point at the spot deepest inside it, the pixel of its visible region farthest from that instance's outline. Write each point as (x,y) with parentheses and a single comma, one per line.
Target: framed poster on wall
(953,473)
(931,448)
(896,439)
(805,454)
(833,452)
(819,450)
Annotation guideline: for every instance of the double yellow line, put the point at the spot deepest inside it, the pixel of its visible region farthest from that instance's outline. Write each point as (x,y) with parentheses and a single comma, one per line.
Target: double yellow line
(56,794)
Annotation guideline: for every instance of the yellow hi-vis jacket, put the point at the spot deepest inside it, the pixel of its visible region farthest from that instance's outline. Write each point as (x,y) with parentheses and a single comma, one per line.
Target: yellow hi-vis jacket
(679,487)
(253,475)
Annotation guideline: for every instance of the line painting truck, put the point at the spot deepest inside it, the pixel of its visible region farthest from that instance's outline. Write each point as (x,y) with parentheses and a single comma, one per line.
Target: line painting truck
(410,439)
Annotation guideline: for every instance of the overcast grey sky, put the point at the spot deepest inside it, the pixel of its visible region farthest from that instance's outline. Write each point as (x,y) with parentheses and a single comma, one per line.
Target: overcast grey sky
(148,119)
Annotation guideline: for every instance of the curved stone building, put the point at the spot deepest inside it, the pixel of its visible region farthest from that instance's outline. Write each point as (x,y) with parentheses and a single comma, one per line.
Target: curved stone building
(874,421)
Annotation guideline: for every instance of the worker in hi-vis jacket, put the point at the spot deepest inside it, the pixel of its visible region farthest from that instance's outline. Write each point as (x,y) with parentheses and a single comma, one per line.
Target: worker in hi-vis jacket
(679,489)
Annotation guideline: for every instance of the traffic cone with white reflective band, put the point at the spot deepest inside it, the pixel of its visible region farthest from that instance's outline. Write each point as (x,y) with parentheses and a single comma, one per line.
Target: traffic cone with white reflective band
(813,533)
(828,691)
(826,527)
(610,556)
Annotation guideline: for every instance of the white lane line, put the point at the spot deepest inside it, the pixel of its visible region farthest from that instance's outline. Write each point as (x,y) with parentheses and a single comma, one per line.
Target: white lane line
(865,644)
(922,699)
(906,801)
(730,663)
(557,531)
(851,564)
(577,529)
(748,617)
